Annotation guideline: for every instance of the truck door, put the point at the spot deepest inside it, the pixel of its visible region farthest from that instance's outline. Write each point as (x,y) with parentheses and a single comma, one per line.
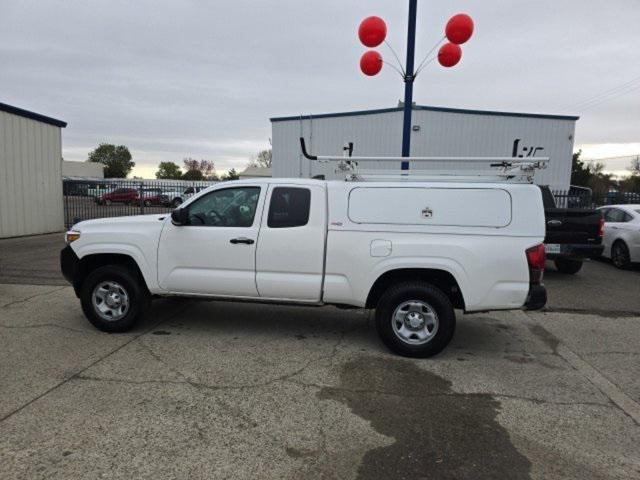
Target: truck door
(214,254)
(290,256)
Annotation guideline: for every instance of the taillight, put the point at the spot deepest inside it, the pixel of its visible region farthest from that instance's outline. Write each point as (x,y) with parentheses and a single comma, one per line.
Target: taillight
(535,259)
(601,228)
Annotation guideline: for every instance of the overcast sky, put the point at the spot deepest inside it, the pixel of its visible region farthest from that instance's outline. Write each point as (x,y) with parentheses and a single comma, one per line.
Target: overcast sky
(202,78)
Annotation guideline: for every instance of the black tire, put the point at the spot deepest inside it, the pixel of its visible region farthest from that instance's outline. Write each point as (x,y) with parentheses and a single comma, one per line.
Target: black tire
(176,202)
(136,293)
(568,266)
(620,256)
(423,292)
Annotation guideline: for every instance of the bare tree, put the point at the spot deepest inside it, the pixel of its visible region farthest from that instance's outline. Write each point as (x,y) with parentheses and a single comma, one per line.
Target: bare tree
(199,169)
(262,159)
(634,168)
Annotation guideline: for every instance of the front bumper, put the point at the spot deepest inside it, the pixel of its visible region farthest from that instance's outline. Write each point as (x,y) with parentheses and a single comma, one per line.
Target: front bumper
(537,297)
(70,266)
(576,251)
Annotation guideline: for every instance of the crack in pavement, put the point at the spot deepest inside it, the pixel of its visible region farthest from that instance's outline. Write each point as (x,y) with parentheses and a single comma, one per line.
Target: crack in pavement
(539,401)
(613,392)
(201,385)
(47,325)
(84,369)
(26,299)
(159,359)
(596,312)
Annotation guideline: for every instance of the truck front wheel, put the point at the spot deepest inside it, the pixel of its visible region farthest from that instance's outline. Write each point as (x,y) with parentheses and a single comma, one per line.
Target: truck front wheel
(113,298)
(568,266)
(415,319)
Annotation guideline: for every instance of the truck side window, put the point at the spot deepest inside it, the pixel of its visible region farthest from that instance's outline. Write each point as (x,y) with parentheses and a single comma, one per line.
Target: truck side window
(229,207)
(289,207)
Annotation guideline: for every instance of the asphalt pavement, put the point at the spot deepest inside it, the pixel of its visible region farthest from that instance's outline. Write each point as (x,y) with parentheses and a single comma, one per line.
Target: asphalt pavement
(230,390)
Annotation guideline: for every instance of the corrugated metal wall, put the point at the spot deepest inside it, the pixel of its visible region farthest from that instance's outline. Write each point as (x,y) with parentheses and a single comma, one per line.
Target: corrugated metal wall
(440,134)
(30,177)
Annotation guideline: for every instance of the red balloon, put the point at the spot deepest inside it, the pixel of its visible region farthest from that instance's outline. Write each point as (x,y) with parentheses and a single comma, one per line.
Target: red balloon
(371,63)
(449,54)
(372,31)
(459,28)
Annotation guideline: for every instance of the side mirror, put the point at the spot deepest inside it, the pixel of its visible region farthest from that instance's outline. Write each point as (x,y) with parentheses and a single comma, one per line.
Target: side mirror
(180,216)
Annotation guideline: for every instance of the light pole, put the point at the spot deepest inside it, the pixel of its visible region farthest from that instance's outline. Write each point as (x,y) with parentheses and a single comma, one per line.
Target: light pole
(408,83)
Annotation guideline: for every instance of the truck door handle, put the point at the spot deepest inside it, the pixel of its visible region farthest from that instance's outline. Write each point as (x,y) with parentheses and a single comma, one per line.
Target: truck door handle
(235,241)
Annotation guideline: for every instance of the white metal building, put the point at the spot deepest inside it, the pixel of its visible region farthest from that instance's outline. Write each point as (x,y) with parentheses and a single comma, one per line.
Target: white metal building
(436,131)
(82,169)
(255,172)
(30,173)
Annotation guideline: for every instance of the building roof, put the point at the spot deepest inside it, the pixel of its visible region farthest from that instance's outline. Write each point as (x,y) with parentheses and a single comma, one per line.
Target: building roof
(32,115)
(428,108)
(254,171)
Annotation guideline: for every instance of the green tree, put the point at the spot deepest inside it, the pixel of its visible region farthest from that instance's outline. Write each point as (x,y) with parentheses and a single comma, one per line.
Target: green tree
(590,174)
(580,174)
(632,182)
(116,160)
(230,175)
(600,182)
(168,170)
(193,175)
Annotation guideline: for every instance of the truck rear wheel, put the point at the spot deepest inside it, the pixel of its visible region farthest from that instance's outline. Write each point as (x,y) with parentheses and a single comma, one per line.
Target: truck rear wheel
(113,298)
(568,266)
(415,319)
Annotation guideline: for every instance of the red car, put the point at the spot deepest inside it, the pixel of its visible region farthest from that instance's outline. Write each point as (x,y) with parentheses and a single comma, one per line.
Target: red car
(152,197)
(119,195)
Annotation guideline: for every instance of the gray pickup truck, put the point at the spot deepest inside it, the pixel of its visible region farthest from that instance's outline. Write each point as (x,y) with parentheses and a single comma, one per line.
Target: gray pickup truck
(572,234)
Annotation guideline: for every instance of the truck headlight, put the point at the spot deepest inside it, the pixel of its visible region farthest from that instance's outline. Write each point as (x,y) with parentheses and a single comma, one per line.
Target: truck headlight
(71,236)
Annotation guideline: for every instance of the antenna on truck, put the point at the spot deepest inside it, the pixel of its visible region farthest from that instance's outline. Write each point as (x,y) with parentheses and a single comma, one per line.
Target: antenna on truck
(517,170)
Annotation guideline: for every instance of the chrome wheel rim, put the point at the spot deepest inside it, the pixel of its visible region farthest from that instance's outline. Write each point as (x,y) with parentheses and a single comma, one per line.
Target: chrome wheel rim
(110,301)
(415,322)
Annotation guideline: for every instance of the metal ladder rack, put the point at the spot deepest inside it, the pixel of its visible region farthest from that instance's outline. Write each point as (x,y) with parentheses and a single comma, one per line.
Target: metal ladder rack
(501,169)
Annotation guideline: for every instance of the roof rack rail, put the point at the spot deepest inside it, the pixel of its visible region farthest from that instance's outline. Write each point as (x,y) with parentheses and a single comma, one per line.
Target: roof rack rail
(513,169)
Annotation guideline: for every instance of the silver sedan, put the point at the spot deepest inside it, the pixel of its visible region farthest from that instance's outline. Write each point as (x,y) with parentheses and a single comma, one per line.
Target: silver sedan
(621,234)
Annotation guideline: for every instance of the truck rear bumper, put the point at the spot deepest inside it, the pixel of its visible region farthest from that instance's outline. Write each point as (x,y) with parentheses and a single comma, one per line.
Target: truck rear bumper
(537,297)
(575,251)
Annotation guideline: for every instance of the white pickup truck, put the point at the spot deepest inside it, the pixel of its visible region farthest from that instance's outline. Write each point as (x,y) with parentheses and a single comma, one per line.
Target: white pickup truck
(413,251)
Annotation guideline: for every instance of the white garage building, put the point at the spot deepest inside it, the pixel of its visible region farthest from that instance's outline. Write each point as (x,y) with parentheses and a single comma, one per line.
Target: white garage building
(436,131)
(30,173)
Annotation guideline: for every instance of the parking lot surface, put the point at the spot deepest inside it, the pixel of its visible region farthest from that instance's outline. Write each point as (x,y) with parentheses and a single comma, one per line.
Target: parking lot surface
(229,390)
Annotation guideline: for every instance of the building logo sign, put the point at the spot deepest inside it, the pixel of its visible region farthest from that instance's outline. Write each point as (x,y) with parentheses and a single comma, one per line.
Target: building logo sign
(522,151)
